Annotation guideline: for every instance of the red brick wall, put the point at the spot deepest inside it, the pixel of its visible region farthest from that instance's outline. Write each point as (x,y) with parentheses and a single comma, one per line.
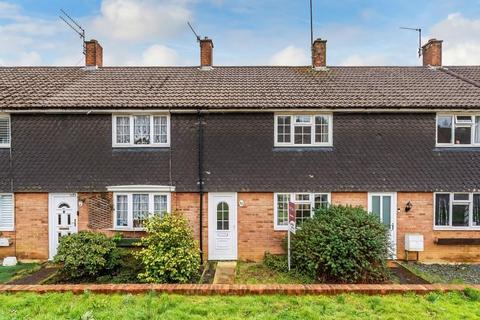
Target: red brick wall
(31,225)
(256,234)
(420,220)
(350,198)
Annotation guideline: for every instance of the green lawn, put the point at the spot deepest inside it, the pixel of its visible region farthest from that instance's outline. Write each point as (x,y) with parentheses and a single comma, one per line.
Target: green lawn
(7,273)
(152,306)
(258,273)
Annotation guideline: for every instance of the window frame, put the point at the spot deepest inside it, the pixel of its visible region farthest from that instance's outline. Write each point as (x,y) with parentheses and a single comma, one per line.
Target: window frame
(129,195)
(13,212)
(7,145)
(312,116)
(279,227)
(131,144)
(461,124)
(470,226)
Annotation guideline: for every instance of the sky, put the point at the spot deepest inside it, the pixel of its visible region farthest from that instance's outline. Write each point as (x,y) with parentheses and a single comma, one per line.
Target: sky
(244,32)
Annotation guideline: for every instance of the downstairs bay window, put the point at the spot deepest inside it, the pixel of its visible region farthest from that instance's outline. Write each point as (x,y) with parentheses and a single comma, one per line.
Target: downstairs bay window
(305,206)
(131,209)
(457,211)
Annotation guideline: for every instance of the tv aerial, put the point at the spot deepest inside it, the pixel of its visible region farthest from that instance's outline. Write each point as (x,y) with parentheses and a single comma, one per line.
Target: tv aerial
(195,33)
(419,30)
(75,26)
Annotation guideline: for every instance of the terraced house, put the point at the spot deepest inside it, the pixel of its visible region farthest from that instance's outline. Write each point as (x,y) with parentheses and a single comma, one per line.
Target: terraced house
(100,148)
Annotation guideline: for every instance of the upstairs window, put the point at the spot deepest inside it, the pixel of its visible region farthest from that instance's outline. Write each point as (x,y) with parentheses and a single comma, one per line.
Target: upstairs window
(303,130)
(4,131)
(305,206)
(457,210)
(458,130)
(141,131)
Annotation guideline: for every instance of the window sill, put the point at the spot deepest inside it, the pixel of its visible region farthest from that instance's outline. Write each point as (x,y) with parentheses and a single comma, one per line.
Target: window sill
(280,228)
(456,228)
(4,146)
(141,146)
(303,149)
(127,229)
(457,148)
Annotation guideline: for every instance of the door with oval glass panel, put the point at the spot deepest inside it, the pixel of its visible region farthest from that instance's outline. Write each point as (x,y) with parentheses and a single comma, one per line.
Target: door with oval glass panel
(384,206)
(62,219)
(222,226)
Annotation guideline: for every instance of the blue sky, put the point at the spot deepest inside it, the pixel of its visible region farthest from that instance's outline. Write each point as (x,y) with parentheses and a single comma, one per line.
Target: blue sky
(245,32)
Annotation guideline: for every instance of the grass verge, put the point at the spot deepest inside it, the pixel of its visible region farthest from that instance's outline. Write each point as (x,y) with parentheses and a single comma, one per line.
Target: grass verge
(455,305)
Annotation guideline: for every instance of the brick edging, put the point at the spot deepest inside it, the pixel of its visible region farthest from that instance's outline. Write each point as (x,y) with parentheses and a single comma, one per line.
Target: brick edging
(239,289)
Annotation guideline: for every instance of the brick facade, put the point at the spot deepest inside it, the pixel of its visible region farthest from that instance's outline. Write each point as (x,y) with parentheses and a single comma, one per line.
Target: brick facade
(255,224)
(31,226)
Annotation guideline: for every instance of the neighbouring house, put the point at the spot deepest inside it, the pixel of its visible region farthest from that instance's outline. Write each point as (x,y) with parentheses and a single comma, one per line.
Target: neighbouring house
(99,148)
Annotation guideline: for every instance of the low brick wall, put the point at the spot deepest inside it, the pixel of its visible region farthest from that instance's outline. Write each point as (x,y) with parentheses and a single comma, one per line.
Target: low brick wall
(239,289)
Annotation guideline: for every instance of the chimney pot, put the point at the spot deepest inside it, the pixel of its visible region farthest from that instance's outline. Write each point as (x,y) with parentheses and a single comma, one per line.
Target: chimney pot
(206,53)
(432,53)
(93,54)
(319,54)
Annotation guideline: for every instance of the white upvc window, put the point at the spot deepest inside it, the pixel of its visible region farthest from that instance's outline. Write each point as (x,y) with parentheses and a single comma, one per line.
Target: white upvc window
(5,131)
(458,130)
(457,211)
(132,208)
(305,206)
(7,216)
(141,130)
(305,130)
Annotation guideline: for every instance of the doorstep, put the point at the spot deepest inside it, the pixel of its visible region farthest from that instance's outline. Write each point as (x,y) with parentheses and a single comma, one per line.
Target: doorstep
(225,272)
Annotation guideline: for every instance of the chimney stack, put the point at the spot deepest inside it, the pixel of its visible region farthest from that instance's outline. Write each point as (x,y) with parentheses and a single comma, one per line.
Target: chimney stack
(93,54)
(432,53)
(206,53)
(319,54)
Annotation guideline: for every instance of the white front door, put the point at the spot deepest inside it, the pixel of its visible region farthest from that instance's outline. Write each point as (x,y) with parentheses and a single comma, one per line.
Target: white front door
(222,226)
(62,218)
(384,206)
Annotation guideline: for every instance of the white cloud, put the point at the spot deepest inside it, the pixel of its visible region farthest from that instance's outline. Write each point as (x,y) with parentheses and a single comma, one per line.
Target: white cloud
(290,56)
(158,55)
(461,44)
(141,19)
(31,58)
(366,60)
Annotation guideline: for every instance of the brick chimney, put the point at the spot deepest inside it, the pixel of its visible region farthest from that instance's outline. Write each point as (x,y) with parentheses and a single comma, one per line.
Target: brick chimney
(206,53)
(93,54)
(432,53)
(319,54)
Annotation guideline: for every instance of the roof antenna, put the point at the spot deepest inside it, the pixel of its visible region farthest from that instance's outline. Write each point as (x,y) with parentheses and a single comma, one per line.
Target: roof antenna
(193,30)
(419,30)
(75,27)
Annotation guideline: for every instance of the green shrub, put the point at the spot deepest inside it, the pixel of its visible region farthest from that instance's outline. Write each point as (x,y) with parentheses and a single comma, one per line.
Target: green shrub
(169,252)
(341,245)
(276,262)
(86,255)
(472,294)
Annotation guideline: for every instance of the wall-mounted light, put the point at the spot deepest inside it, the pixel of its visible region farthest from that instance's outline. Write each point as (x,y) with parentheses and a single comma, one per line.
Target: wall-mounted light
(241,203)
(408,206)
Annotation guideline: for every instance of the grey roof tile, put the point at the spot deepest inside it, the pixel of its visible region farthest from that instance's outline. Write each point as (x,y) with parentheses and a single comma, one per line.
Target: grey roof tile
(235,87)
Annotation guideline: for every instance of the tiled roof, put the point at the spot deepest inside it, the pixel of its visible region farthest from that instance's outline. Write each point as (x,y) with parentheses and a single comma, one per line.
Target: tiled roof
(471,73)
(236,87)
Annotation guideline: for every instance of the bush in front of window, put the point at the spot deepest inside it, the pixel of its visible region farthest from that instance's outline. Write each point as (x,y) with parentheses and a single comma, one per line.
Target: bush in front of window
(169,251)
(341,245)
(86,255)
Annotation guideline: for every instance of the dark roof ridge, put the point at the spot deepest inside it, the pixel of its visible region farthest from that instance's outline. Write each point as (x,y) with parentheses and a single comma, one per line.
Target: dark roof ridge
(458,76)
